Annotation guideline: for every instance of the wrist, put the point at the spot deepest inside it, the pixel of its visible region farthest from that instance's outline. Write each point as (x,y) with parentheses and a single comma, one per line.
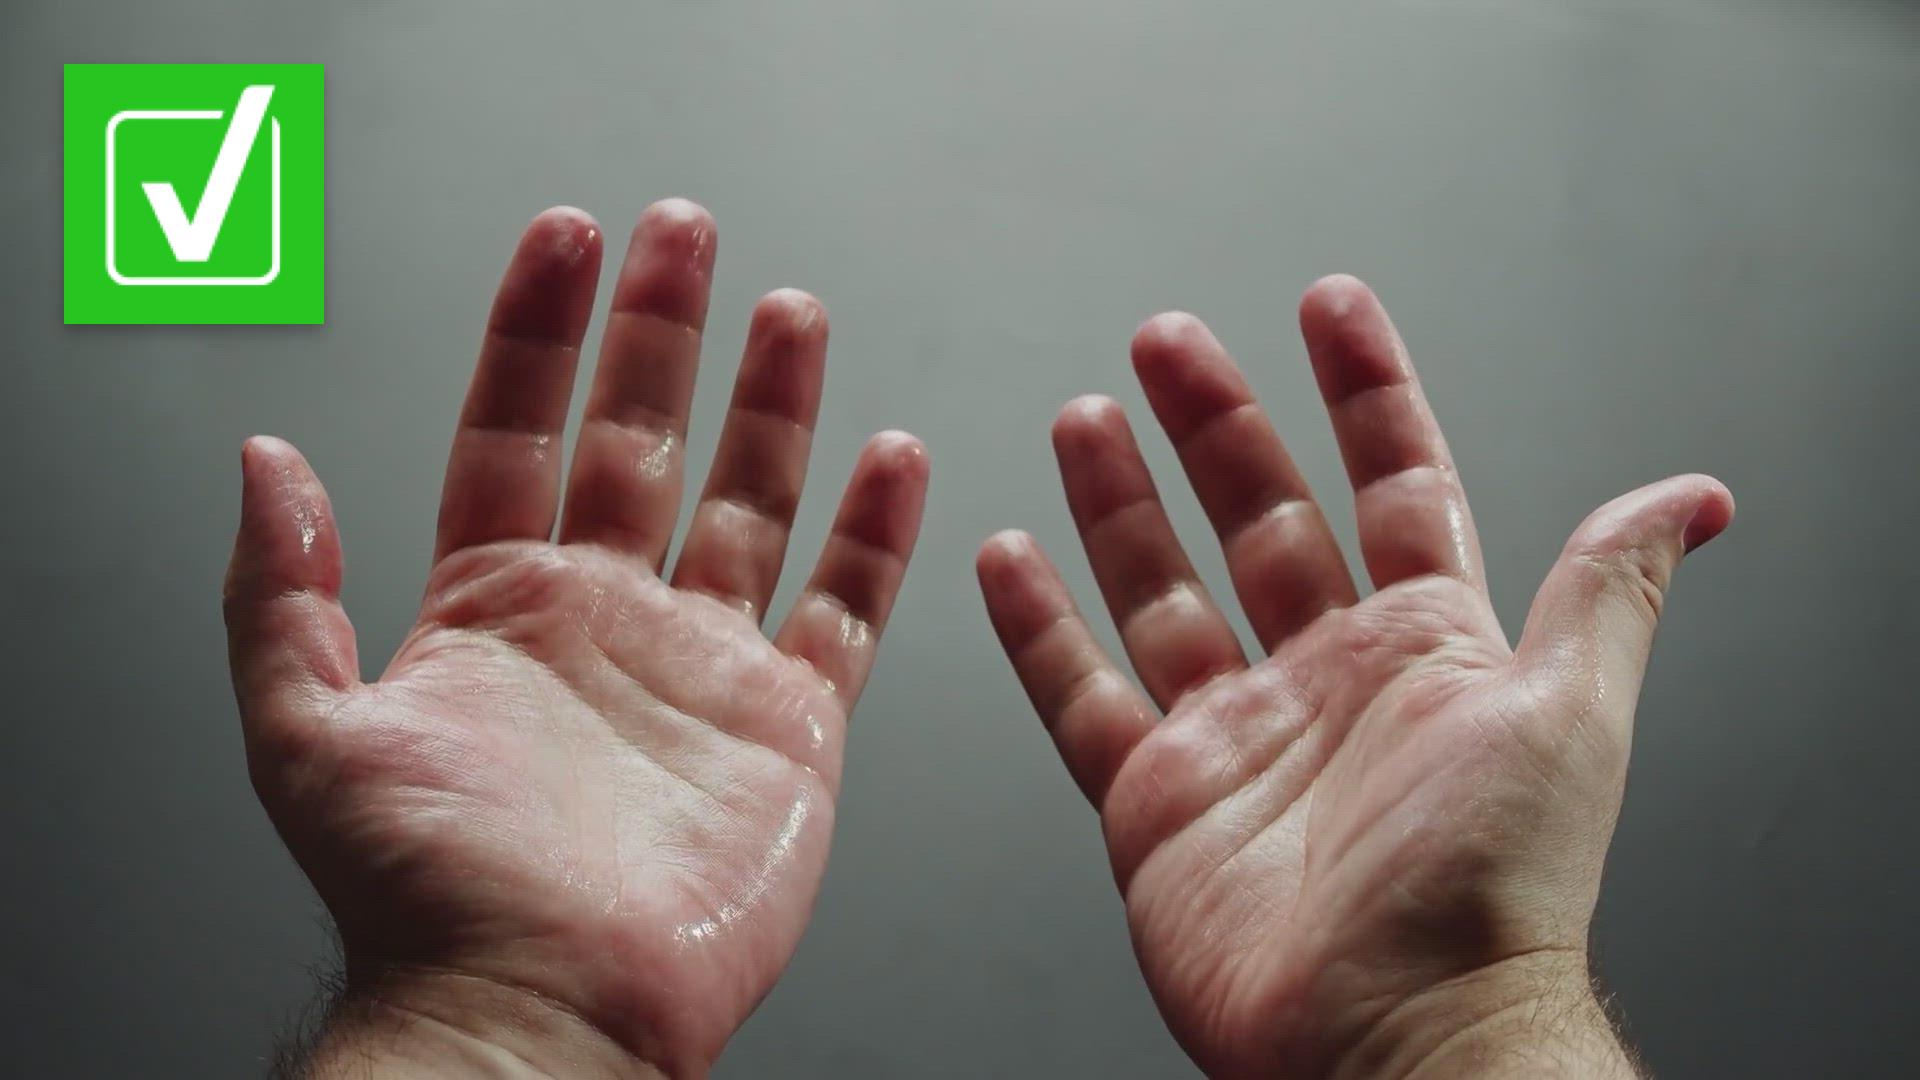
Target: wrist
(429,1024)
(1535,1015)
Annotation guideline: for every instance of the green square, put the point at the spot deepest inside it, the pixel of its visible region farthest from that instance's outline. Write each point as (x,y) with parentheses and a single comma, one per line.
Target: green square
(195,193)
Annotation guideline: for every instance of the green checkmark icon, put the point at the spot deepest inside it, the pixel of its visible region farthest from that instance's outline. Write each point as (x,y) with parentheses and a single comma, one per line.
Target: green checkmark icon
(194,193)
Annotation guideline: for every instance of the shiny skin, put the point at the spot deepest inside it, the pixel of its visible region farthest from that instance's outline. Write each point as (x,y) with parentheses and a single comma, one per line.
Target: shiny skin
(1364,850)
(584,785)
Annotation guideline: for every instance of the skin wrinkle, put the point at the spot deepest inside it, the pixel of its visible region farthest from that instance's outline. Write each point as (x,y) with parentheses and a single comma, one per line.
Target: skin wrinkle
(481,1037)
(535,448)
(1291,506)
(771,514)
(1314,713)
(643,424)
(691,722)
(1316,840)
(1310,710)
(736,604)
(772,416)
(682,707)
(1340,824)
(568,778)
(1081,683)
(1400,428)
(1224,806)
(680,718)
(546,345)
(892,560)
(1411,474)
(1365,826)
(736,910)
(1533,1003)
(1149,501)
(1279,488)
(1284,748)
(1182,595)
(634,319)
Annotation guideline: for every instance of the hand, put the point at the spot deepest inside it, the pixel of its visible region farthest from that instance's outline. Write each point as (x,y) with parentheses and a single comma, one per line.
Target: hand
(579,822)
(1376,850)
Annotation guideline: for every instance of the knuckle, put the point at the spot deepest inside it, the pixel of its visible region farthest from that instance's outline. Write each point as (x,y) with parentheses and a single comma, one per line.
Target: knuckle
(1629,573)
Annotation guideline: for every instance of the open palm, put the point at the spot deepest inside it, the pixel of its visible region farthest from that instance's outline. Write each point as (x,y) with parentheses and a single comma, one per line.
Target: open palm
(578,780)
(1392,826)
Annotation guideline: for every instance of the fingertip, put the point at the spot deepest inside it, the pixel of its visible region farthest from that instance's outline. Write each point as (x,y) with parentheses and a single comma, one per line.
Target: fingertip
(286,556)
(668,268)
(1022,590)
(1166,338)
(546,294)
(564,235)
(1334,297)
(674,211)
(1711,517)
(1187,375)
(286,533)
(1335,308)
(1100,463)
(1693,508)
(1085,419)
(1003,553)
(1087,409)
(1183,369)
(258,450)
(269,461)
(1010,543)
(791,313)
(565,216)
(898,454)
(887,493)
(784,365)
(679,225)
(1351,341)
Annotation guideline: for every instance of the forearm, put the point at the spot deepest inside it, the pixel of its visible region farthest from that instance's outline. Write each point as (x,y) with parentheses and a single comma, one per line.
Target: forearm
(1533,1016)
(447,1025)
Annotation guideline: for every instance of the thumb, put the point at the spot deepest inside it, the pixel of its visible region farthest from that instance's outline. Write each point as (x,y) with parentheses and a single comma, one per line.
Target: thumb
(286,632)
(1592,623)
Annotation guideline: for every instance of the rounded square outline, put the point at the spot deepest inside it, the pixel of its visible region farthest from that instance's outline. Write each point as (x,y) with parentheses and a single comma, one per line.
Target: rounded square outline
(113,124)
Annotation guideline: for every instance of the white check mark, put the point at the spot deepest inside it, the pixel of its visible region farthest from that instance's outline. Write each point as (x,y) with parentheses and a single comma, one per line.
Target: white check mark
(192,239)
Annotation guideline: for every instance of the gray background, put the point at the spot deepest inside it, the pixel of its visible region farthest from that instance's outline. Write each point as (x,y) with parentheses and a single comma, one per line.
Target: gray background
(1625,240)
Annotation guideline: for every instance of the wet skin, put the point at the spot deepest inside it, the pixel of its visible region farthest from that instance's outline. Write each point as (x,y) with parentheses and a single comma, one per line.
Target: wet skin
(1374,850)
(578,824)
